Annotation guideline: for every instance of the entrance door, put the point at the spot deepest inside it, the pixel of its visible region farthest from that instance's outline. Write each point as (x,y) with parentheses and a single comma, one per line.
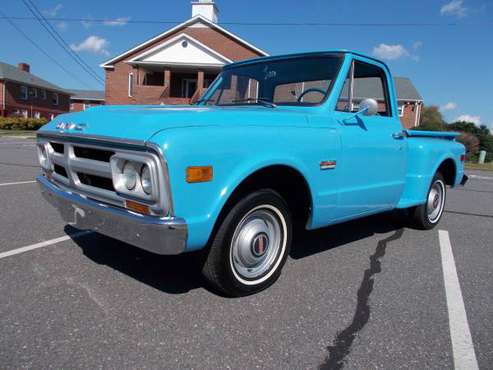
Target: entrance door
(188,87)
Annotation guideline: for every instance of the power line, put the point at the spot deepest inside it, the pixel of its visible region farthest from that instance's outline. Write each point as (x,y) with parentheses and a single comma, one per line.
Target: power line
(259,24)
(60,41)
(44,52)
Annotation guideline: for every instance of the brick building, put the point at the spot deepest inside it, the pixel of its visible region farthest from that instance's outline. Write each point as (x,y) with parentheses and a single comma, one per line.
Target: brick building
(82,99)
(177,65)
(409,100)
(24,94)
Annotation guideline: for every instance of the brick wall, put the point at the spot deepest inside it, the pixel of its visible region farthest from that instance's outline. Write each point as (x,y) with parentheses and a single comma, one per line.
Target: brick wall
(77,106)
(411,111)
(117,79)
(33,104)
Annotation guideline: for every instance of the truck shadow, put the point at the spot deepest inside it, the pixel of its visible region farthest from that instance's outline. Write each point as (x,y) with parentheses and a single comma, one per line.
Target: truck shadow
(180,274)
(169,274)
(307,243)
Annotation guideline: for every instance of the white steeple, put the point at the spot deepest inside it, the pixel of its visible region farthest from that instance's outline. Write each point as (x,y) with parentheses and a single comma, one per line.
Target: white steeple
(206,9)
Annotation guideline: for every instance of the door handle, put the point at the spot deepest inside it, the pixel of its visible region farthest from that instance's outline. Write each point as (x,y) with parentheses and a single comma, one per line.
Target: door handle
(398,135)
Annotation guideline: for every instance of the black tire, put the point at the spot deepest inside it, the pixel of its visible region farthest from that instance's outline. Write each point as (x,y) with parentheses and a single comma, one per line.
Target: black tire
(421,214)
(220,265)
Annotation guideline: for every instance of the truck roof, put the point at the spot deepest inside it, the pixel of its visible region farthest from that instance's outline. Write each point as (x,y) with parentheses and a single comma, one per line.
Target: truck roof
(301,55)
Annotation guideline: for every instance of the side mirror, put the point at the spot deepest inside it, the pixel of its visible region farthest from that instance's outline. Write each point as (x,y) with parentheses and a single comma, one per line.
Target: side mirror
(368,107)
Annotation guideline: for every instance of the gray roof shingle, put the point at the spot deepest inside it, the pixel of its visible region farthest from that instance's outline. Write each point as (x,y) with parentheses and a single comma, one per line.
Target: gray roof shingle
(87,94)
(12,73)
(370,87)
(406,89)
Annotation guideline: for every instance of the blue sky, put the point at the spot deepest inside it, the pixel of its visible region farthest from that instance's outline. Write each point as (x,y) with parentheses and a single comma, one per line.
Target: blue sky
(451,65)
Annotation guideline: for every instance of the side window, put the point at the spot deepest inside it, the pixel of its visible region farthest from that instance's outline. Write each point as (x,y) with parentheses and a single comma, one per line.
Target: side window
(369,81)
(24,92)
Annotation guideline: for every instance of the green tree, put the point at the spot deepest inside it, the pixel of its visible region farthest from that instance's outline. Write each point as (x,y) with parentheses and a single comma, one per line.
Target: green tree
(482,133)
(463,126)
(431,119)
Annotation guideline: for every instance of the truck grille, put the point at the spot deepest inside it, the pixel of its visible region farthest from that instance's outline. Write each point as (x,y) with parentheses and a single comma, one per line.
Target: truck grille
(84,168)
(94,154)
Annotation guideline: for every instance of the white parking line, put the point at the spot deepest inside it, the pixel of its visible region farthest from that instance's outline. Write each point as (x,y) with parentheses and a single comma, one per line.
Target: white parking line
(17,183)
(18,143)
(480,177)
(46,243)
(462,346)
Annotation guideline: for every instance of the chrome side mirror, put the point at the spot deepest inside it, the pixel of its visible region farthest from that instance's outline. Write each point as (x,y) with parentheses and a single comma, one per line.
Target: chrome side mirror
(368,107)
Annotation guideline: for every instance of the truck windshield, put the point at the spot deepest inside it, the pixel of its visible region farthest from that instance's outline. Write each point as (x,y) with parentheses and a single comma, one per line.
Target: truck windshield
(301,81)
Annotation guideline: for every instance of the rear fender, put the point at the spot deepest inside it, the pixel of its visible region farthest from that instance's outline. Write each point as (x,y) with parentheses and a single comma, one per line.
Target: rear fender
(426,155)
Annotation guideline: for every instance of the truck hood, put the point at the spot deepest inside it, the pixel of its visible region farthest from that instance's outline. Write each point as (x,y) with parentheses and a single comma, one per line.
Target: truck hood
(142,122)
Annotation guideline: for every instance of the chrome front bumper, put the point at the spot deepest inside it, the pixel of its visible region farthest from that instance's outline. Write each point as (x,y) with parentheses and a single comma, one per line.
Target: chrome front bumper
(161,235)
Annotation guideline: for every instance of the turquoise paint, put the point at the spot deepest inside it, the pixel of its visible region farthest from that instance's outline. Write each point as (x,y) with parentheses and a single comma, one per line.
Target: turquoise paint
(374,171)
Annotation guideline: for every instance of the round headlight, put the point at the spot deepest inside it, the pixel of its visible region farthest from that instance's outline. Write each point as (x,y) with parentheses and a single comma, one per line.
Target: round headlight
(129,176)
(145,179)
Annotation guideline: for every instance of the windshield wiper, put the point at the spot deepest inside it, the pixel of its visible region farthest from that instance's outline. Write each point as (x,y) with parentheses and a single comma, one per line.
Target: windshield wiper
(264,102)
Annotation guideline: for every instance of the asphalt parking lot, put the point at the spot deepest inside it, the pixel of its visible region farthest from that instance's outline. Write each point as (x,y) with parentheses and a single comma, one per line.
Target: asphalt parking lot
(366,294)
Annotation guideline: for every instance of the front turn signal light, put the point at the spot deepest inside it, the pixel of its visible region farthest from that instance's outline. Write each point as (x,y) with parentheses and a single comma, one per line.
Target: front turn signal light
(199,174)
(137,207)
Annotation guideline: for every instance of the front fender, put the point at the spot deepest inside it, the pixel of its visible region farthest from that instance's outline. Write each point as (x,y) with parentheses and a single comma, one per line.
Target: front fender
(234,153)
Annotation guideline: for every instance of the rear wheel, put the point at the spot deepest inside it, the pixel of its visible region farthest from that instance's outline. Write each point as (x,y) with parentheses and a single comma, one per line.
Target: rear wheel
(251,245)
(428,215)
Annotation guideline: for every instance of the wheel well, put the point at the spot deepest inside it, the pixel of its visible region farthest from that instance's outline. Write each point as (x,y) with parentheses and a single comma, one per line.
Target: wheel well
(448,171)
(287,181)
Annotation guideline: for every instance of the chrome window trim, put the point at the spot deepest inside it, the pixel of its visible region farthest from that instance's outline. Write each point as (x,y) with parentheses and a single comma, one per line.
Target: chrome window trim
(121,145)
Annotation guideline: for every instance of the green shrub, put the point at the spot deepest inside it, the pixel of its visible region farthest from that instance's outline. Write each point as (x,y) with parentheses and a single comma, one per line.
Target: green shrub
(471,142)
(21,123)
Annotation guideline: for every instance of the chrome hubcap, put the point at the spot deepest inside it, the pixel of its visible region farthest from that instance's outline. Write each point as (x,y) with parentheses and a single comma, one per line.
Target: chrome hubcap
(257,242)
(435,201)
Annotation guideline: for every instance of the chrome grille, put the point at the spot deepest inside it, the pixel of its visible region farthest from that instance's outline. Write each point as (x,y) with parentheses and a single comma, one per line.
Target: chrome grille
(83,166)
(79,167)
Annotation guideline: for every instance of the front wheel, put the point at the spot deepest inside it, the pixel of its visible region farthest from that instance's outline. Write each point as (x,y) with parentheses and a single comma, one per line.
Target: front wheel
(427,215)
(251,245)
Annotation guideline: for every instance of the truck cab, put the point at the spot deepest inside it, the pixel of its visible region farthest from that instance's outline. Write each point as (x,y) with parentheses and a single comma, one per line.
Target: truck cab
(307,139)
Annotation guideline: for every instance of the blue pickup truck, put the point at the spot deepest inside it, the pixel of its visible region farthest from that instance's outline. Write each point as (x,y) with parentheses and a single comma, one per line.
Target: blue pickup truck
(308,139)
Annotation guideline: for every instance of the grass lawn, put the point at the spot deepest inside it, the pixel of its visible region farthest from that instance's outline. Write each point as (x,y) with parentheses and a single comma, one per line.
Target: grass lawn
(477,166)
(17,133)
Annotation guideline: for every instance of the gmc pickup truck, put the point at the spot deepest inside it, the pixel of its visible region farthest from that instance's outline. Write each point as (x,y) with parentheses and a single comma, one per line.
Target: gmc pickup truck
(308,139)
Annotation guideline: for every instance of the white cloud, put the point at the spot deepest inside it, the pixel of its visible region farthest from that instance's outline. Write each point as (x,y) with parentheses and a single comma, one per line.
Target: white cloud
(469,118)
(62,26)
(390,52)
(417,45)
(448,106)
(86,24)
(53,12)
(93,44)
(455,8)
(122,21)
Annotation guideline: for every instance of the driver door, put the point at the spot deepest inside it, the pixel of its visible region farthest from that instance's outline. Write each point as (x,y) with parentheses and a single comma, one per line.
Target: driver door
(373,162)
